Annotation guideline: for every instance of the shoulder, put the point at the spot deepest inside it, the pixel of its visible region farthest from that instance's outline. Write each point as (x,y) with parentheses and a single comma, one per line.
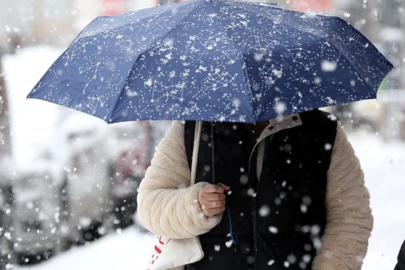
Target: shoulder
(319,119)
(318,115)
(174,136)
(176,130)
(178,125)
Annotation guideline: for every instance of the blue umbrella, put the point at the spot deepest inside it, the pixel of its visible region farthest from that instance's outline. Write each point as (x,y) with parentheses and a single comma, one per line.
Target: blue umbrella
(213,60)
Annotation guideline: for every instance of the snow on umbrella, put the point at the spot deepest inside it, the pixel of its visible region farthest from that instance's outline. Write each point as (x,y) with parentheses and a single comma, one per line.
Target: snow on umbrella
(214,60)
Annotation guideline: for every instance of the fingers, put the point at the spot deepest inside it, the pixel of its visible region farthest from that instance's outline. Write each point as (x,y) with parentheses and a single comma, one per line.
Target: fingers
(214,211)
(212,199)
(213,196)
(212,208)
(225,187)
(216,204)
(213,189)
(220,188)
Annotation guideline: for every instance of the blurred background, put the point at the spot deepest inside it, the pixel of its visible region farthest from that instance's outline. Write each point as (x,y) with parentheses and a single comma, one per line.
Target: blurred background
(68,181)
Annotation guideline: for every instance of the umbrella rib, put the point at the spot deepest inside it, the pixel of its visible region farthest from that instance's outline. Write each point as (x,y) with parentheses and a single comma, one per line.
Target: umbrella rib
(313,34)
(244,63)
(140,53)
(265,17)
(355,69)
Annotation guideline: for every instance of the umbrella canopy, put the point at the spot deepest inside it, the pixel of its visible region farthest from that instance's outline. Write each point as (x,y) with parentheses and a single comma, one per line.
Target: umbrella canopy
(213,60)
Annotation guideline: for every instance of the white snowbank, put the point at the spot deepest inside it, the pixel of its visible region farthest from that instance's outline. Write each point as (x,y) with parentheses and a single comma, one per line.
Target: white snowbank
(37,140)
(129,250)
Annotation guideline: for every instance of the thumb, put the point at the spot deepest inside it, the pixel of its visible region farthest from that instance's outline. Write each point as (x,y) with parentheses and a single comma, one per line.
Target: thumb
(227,188)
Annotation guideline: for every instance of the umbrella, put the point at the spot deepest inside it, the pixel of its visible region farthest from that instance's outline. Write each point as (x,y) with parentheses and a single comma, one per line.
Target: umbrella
(213,60)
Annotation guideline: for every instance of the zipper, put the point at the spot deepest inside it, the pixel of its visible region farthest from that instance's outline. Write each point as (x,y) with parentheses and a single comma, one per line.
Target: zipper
(254,202)
(254,229)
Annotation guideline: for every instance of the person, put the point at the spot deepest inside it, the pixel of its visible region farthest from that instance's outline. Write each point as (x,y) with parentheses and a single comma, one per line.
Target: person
(291,189)
(401,259)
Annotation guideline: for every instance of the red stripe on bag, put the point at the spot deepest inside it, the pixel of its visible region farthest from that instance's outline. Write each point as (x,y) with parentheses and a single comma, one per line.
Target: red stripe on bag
(158,250)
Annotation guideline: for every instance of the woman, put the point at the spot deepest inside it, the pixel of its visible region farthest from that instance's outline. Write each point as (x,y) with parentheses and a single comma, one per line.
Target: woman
(297,198)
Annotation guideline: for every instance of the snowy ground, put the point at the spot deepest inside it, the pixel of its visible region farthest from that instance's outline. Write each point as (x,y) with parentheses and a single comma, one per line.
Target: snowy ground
(382,162)
(129,250)
(384,167)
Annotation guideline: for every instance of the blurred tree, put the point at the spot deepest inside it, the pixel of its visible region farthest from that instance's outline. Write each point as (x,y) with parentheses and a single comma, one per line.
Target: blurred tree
(390,17)
(6,190)
(5,144)
(164,2)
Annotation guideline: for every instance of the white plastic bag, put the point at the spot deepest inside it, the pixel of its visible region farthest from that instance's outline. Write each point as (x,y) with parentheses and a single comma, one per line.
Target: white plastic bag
(174,253)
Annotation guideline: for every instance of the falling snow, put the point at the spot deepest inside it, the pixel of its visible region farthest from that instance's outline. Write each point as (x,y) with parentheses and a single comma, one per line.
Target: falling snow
(152,64)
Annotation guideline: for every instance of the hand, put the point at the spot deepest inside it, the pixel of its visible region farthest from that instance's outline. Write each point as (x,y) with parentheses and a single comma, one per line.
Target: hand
(212,199)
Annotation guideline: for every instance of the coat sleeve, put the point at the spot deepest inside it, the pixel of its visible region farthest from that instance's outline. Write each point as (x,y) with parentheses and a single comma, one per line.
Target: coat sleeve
(167,204)
(349,219)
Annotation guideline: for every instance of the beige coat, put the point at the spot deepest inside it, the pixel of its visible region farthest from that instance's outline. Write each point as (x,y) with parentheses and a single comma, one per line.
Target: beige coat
(168,206)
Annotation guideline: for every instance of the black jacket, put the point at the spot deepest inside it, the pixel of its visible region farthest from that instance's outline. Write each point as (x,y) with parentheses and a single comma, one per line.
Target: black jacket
(279,218)
(401,259)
